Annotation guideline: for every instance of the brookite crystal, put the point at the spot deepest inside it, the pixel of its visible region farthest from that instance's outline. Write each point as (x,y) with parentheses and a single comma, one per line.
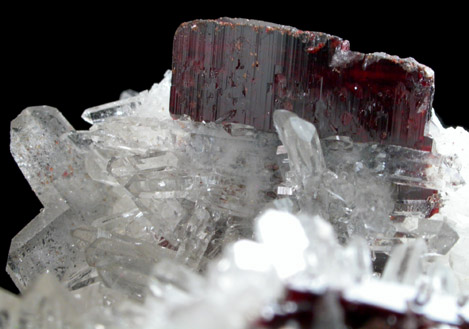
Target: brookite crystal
(242,70)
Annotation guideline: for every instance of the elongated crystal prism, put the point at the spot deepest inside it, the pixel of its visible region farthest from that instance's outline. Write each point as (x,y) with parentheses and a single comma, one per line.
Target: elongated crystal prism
(380,192)
(43,146)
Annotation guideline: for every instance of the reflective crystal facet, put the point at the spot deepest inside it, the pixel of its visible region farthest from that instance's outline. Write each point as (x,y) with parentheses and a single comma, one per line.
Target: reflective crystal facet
(240,70)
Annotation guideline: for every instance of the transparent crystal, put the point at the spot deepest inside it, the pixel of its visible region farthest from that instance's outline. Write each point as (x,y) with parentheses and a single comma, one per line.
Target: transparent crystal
(404,265)
(302,144)
(52,159)
(123,107)
(378,192)
(152,103)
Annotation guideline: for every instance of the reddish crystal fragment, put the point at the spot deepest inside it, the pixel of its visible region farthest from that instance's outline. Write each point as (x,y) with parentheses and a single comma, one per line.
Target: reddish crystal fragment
(239,70)
(304,309)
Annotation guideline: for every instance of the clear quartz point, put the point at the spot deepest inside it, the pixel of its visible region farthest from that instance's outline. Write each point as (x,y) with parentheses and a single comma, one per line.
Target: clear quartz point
(379,192)
(302,144)
(356,203)
(405,264)
(152,103)
(122,107)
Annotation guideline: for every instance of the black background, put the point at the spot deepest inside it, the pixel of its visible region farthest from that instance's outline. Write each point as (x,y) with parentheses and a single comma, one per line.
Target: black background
(81,56)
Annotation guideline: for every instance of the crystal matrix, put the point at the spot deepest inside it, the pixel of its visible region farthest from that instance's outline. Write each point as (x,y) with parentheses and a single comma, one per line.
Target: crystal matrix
(157,221)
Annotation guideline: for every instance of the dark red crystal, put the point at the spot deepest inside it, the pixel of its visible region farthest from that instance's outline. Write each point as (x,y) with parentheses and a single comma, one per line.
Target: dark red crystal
(305,309)
(239,70)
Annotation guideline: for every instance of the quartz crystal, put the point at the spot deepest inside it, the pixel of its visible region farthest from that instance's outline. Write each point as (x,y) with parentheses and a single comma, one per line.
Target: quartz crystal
(382,193)
(296,204)
(189,188)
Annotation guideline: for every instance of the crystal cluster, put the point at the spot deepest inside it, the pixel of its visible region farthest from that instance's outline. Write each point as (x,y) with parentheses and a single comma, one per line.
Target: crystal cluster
(153,220)
(383,193)
(183,187)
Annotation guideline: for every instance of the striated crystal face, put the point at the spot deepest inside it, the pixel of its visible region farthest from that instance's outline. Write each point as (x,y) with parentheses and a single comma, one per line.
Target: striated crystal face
(239,70)
(153,220)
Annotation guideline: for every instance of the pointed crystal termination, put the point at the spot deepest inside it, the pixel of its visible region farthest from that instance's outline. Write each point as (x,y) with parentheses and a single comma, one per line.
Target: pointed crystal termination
(305,157)
(405,265)
(360,187)
(52,161)
(146,103)
(220,67)
(122,107)
(301,141)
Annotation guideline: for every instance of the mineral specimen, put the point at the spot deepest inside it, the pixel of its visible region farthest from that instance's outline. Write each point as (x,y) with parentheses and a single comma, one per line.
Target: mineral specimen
(154,220)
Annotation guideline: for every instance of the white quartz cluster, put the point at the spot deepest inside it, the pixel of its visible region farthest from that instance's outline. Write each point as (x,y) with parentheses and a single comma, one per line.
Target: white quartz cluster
(151,221)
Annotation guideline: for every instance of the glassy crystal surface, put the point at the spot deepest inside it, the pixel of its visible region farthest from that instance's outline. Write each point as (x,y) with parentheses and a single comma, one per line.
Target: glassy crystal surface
(152,103)
(53,162)
(222,67)
(123,107)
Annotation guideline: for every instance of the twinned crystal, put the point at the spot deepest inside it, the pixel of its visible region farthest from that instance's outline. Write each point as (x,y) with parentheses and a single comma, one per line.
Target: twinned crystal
(158,220)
